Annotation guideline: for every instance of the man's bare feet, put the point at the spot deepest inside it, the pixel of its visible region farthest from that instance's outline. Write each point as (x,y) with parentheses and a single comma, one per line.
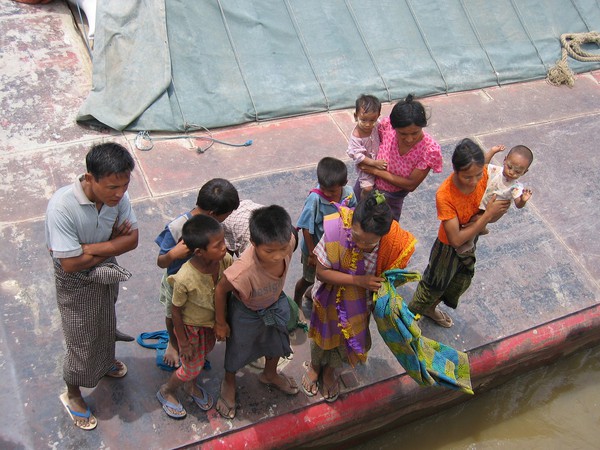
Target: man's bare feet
(171,357)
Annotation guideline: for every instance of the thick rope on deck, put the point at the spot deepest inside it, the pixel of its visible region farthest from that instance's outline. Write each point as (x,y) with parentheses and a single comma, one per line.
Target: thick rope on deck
(571,46)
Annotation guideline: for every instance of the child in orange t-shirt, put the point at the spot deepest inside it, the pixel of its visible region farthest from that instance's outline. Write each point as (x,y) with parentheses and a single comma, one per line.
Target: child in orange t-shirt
(448,274)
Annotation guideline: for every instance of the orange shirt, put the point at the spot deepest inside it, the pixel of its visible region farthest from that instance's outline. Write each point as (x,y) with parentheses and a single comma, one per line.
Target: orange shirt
(451,203)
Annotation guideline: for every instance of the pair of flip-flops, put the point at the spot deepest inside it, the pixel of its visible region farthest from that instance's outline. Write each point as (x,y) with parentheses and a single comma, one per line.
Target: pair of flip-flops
(311,388)
(85,421)
(177,411)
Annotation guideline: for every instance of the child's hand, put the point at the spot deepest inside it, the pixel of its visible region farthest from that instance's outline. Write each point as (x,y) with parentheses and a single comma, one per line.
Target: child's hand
(380,164)
(180,251)
(367,168)
(312,260)
(370,282)
(496,208)
(497,148)
(186,352)
(222,331)
(526,195)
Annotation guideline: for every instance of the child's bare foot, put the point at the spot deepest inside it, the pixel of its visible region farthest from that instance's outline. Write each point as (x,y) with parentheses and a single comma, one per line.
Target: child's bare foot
(484,231)
(170,403)
(171,357)
(168,395)
(226,403)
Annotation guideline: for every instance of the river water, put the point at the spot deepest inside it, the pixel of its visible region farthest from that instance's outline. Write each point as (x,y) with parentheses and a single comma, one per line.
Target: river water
(553,407)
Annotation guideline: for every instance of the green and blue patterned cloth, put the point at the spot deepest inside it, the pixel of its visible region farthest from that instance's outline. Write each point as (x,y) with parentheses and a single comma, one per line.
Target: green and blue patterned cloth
(428,362)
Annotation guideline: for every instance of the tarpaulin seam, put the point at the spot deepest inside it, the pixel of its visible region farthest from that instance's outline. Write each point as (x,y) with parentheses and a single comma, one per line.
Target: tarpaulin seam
(420,28)
(524,25)
(237,58)
(373,60)
(306,52)
(581,16)
(481,44)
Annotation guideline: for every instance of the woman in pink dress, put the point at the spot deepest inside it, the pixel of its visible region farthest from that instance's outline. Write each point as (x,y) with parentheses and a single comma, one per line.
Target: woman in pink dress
(410,153)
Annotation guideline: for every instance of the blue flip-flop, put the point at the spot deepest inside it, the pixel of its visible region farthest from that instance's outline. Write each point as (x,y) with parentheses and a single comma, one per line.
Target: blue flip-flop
(92,422)
(205,402)
(171,409)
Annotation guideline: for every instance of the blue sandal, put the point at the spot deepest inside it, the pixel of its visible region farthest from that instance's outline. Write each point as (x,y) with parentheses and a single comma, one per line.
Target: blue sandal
(205,402)
(171,409)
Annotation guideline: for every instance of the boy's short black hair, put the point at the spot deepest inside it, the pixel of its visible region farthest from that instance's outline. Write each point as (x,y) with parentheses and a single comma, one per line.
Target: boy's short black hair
(523,151)
(368,104)
(218,196)
(270,224)
(106,159)
(198,231)
(332,172)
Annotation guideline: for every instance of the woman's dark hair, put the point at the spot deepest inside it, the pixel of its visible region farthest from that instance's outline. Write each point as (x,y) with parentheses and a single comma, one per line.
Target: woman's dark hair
(373,217)
(198,231)
(106,159)
(408,112)
(466,153)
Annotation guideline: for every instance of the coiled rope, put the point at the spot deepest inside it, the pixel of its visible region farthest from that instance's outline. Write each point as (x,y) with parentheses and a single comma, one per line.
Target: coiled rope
(571,46)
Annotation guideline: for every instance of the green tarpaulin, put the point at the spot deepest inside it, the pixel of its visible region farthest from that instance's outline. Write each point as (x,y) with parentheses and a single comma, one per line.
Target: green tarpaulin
(180,64)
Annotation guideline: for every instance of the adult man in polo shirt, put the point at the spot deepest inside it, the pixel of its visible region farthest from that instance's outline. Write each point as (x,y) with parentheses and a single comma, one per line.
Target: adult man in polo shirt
(87,224)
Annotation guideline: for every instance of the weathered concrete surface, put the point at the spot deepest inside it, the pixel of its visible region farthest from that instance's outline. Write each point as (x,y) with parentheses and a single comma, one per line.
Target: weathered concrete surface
(537,272)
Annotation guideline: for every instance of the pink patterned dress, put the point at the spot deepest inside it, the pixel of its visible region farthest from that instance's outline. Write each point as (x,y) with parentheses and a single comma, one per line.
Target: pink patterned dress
(426,154)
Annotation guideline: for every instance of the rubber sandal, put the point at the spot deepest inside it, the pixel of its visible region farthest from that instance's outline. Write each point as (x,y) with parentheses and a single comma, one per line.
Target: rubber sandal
(225,409)
(445,322)
(313,386)
(205,402)
(291,388)
(332,398)
(171,409)
(118,370)
(92,422)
